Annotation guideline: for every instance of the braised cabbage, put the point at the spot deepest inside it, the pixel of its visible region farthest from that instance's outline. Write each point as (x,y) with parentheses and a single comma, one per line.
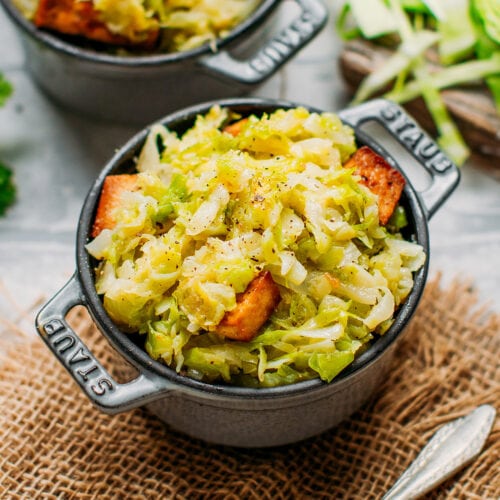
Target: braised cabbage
(214,210)
(183,24)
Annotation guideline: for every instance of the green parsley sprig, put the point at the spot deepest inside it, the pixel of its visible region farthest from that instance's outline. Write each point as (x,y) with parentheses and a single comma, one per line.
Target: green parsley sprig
(7,186)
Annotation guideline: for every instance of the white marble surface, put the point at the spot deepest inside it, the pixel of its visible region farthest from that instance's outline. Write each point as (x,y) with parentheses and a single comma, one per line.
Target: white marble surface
(56,155)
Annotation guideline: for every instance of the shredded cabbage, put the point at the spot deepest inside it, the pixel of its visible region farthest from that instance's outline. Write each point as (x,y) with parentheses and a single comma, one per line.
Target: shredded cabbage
(126,17)
(213,211)
(465,35)
(186,24)
(183,24)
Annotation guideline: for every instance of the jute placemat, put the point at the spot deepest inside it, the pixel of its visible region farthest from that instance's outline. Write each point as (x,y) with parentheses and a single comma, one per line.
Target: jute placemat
(54,444)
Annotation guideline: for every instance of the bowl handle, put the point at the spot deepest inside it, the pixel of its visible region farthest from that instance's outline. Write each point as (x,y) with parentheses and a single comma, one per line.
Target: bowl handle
(276,51)
(103,391)
(444,174)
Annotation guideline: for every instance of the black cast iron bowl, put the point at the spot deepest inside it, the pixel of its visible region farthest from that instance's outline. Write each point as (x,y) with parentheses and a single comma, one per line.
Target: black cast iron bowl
(138,89)
(240,416)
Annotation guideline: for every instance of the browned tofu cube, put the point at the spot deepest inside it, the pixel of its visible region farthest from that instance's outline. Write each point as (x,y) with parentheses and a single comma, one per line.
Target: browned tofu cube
(76,17)
(253,308)
(380,177)
(235,128)
(112,189)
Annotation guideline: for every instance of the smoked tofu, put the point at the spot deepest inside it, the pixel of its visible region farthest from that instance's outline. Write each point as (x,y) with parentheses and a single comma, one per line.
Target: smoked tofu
(77,17)
(381,178)
(235,128)
(112,189)
(253,308)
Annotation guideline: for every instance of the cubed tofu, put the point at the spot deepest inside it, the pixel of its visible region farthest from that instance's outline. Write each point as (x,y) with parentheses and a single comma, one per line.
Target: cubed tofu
(253,308)
(74,17)
(112,189)
(235,128)
(380,177)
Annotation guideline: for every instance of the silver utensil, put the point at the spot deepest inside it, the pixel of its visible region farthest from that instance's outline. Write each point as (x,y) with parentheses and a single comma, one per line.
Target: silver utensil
(452,447)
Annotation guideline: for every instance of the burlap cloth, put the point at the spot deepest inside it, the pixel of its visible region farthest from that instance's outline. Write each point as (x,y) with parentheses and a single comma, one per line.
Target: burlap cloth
(54,444)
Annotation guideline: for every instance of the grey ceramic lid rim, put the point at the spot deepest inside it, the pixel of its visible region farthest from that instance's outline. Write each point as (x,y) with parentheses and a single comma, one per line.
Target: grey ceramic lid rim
(141,360)
(51,40)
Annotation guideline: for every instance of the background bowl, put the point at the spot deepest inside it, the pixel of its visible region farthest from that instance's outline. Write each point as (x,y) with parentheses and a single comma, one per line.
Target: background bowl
(139,89)
(236,415)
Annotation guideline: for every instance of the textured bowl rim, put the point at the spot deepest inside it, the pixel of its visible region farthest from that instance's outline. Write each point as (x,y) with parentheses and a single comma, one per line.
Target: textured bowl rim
(138,357)
(55,42)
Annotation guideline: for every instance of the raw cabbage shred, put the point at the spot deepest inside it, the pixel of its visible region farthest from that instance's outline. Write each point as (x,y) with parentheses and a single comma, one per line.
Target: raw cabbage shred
(213,211)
